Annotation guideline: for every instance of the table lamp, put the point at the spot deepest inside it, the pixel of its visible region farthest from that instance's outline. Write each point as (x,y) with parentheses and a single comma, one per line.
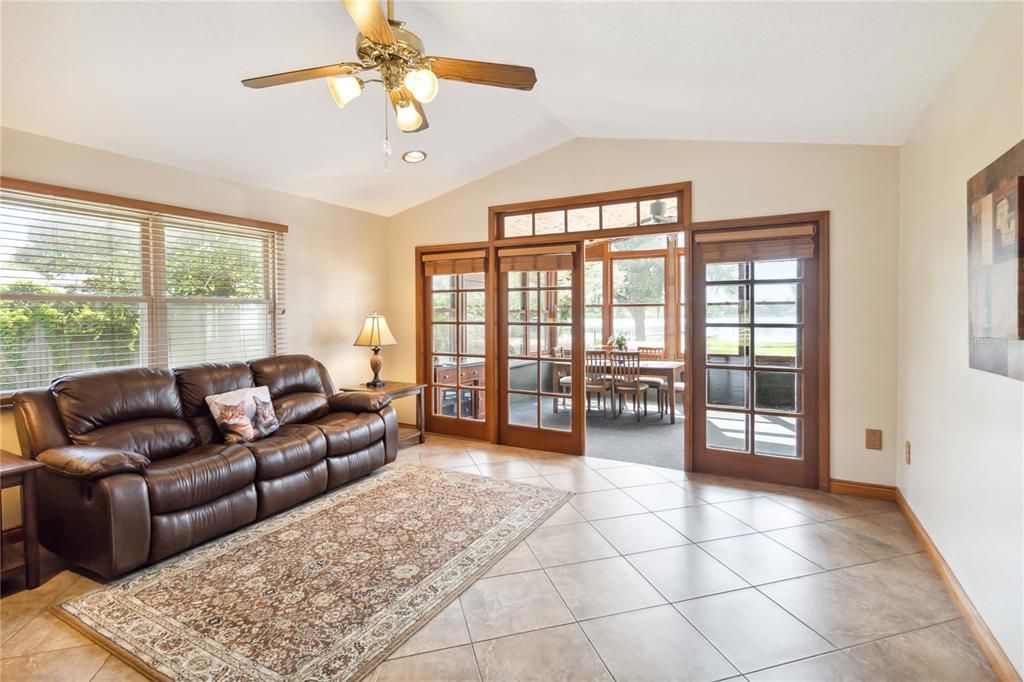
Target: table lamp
(375,333)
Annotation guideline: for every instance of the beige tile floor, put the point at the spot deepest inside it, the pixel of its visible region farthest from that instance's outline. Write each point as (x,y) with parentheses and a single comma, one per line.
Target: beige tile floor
(647,574)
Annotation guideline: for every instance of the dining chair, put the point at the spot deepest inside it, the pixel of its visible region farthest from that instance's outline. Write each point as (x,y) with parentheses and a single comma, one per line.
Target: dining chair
(680,394)
(564,381)
(659,383)
(625,367)
(598,381)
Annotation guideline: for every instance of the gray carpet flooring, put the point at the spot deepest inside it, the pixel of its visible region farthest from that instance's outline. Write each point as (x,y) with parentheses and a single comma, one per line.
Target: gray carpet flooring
(652,440)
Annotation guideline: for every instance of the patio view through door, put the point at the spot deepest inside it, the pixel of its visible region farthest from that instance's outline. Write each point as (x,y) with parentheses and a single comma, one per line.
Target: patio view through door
(540,345)
(756,340)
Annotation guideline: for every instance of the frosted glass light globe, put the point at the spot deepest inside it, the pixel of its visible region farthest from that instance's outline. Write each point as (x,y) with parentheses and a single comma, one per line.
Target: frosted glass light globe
(407,118)
(344,89)
(422,83)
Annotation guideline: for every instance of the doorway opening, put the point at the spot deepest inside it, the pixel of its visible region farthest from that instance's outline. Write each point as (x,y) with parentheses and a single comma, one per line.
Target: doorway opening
(610,325)
(635,322)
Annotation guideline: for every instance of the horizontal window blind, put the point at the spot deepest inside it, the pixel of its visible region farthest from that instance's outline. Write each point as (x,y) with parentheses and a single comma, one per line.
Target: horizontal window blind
(85,284)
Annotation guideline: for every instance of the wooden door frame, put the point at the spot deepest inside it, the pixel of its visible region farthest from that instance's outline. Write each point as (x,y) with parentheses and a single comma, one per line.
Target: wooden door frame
(424,352)
(820,219)
(573,442)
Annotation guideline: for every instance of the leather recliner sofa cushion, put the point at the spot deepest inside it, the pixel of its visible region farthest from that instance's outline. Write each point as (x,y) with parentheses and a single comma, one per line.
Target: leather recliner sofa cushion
(198,476)
(195,382)
(134,409)
(154,438)
(348,432)
(296,387)
(290,449)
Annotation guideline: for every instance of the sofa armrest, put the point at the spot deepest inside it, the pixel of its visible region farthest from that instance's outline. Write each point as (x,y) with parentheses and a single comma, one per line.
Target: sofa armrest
(89,462)
(358,401)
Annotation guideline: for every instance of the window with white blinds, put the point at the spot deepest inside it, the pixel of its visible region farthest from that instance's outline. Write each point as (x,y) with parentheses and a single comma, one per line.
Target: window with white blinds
(87,284)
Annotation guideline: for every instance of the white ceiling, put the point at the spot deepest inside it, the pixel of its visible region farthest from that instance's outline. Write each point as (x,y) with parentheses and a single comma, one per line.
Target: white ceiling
(159,81)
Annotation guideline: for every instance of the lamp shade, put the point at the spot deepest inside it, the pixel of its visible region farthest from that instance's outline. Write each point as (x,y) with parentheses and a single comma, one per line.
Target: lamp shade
(375,333)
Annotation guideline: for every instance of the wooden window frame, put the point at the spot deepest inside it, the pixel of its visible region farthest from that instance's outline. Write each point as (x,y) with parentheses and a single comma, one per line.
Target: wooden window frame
(602,253)
(152,219)
(682,191)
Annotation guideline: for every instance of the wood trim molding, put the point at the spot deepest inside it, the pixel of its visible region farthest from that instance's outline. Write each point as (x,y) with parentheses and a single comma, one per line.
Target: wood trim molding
(598,198)
(997,658)
(858,489)
(136,204)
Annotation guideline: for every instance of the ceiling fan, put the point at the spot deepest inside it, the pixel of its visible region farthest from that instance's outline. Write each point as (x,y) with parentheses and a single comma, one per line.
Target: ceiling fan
(408,75)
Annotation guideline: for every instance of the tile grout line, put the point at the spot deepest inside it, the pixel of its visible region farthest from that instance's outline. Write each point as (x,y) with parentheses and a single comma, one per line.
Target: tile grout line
(811,521)
(847,649)
(469,635)
(576,622)
(670,605)
(46,607)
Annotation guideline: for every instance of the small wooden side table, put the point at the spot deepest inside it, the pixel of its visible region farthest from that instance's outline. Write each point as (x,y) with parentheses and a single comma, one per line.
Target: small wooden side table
(400,389)
(15,470)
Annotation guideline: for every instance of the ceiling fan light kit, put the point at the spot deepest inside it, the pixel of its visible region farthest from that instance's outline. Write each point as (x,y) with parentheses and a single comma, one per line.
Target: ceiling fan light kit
(407,118)
(410,78)
(422,83)
(344,89)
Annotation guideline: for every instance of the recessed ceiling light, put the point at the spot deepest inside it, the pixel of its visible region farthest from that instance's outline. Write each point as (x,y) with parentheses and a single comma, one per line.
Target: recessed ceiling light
(414,156)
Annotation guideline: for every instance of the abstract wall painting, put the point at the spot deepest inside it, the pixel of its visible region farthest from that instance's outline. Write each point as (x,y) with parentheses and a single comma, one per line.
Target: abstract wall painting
(995,252)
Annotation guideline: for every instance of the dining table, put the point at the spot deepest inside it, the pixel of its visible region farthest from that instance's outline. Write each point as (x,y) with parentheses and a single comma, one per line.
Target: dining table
(670,370)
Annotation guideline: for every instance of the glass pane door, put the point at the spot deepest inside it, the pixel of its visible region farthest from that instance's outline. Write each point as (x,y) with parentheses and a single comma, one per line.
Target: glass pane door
(756,375)
(538,298)
(457,343)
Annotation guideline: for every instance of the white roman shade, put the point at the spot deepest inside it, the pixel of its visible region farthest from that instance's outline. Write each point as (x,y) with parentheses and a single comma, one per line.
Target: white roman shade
(89,281)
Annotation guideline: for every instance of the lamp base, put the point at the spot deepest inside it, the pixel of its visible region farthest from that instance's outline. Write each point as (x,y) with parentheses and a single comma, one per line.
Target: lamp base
(376,364)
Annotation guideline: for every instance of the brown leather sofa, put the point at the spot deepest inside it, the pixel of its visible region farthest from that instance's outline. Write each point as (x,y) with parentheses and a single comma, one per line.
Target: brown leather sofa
(136,469)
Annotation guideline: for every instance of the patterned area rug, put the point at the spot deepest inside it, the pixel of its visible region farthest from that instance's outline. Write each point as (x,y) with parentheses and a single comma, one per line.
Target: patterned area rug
(325,591)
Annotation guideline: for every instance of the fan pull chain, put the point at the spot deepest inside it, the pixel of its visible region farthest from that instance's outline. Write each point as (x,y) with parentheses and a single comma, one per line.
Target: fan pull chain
(387,140)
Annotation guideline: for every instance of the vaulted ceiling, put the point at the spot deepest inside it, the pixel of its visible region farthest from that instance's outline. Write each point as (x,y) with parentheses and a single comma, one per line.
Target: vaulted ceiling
(160,81)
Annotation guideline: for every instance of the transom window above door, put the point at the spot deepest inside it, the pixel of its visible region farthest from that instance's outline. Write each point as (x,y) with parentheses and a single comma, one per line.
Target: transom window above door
(665,205)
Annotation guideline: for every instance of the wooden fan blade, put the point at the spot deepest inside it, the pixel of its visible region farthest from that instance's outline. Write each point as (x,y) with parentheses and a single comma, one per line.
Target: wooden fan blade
(370,20)
(396,97)
(302,75)
(484,73)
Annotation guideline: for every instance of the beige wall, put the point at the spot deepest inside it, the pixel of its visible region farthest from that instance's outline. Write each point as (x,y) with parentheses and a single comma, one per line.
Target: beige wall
(965,479)
(333,255)
(859,185)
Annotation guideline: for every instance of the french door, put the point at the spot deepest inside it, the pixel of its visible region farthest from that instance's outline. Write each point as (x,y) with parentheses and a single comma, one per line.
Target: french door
(458,334)
(757,315)
(540,347)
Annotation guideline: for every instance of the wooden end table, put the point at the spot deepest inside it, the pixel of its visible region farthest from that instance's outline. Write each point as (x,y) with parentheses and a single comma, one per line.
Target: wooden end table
(16,470)
(399,389)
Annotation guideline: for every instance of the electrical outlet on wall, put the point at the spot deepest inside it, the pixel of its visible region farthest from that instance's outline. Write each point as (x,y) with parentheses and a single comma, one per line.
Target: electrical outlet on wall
(906,452)
(873,439)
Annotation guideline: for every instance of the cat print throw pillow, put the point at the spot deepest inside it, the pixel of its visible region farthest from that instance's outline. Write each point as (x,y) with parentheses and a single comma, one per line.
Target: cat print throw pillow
(244,415)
